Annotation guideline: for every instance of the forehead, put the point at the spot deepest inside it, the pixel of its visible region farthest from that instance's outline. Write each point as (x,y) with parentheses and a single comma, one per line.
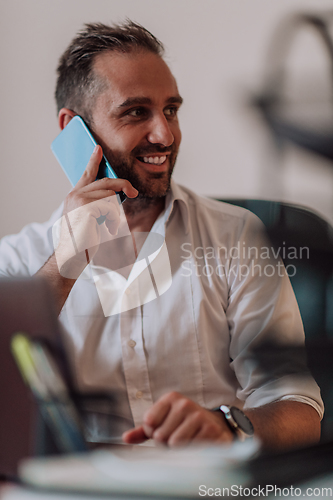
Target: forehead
(137,74)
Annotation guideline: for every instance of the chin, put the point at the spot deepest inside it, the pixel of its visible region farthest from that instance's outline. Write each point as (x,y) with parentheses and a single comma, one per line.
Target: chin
(154,188)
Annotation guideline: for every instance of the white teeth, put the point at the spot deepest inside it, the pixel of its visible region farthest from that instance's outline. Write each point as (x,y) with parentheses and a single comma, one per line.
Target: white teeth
(157,160)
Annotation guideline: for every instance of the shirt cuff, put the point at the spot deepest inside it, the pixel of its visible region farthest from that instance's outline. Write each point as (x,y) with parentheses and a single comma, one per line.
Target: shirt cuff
(308,401)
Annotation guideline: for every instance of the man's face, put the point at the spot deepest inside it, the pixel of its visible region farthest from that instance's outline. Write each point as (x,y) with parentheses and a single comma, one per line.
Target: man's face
(135,119)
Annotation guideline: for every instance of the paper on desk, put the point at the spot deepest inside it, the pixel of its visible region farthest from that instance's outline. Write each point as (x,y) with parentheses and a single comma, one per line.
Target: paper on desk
(151,471)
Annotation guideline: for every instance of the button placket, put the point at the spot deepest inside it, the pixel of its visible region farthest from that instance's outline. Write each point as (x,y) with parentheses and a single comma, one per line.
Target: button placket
(135,364)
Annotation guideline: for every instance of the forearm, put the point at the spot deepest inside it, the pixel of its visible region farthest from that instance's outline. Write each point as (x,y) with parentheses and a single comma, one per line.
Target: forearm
(285,425)
(60,286)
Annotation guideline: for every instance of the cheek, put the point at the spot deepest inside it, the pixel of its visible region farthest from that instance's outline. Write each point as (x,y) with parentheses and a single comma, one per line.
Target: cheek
(124,141)
(119,139)
(177,135)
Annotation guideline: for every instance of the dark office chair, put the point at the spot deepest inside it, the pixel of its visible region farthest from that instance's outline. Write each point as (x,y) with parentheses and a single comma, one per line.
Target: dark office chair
(297,231)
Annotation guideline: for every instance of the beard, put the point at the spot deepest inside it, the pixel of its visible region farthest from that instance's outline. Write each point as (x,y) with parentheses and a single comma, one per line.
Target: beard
(152,186)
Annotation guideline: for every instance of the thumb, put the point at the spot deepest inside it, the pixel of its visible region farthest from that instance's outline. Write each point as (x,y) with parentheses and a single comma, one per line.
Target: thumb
(135,436)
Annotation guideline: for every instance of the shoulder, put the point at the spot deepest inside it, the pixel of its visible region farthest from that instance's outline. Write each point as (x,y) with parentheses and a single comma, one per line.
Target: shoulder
(214,213)
(22,254)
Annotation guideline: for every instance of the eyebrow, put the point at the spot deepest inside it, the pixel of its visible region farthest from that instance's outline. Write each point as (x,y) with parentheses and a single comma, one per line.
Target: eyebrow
(137,101)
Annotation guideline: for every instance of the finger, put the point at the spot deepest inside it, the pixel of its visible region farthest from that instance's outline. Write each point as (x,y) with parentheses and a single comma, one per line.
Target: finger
(206,435)
(99,194)
(112,222)
(110,211)
(134,436)
(185,432)
(91,171)
(106,195)
(113,199)
(155,416)
(112,184)
(96,208)
(214,429)
(80,217)
(148,430)
(172,422)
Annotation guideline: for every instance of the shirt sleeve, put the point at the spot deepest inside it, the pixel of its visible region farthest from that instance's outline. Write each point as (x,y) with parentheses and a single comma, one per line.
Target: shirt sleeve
(262,311)
(23,254)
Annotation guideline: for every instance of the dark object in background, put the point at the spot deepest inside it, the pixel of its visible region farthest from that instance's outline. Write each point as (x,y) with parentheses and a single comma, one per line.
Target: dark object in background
(305,241)
(313,131)
(292,467)
(277,361)
(25,305)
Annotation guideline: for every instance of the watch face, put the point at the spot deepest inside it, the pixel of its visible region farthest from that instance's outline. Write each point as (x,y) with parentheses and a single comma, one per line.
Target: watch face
(242,421)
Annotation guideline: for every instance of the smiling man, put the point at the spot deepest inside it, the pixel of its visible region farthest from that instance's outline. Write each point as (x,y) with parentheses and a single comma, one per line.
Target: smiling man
(170,361)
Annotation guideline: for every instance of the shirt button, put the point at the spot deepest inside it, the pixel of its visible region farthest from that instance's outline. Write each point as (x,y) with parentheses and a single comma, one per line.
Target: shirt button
(127,291)
(139,395)
(131,343)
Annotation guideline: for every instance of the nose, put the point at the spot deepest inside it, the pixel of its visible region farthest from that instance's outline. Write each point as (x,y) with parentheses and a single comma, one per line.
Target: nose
(160,132)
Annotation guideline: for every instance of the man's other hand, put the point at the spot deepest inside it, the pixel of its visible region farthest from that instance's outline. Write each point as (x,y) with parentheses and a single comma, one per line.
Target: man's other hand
(176,420)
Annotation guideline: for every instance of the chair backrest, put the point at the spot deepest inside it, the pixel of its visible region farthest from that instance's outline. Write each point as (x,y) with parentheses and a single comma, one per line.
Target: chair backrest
(305,243)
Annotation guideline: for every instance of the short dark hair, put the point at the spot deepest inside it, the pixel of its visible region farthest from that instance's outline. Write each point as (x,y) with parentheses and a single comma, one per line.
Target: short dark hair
(77,84)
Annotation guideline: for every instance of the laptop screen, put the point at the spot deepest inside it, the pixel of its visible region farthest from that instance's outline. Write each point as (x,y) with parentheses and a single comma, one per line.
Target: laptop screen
(26,305)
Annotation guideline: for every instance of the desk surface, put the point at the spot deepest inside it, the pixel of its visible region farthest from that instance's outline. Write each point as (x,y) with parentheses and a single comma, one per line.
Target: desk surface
(14,492)
(134,473)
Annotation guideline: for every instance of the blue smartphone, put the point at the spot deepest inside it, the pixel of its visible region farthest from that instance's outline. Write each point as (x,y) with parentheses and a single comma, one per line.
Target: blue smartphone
(73,148)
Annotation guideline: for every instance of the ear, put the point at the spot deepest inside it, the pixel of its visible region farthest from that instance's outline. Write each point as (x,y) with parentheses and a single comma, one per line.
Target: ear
(65,115)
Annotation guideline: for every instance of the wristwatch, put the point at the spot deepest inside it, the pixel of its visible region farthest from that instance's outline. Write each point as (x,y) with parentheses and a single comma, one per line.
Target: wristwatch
(237,421)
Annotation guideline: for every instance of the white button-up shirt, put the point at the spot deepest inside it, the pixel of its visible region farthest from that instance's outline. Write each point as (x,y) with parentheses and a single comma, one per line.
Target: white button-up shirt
(183,317)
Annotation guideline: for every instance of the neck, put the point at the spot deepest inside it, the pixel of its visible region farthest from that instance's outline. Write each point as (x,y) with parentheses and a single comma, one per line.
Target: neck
(142,213)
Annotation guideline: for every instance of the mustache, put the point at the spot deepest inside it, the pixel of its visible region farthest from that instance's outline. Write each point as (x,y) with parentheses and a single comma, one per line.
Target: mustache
(150,150)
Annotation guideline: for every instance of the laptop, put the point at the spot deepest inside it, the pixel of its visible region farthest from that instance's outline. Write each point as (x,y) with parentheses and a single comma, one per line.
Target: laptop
(26,305)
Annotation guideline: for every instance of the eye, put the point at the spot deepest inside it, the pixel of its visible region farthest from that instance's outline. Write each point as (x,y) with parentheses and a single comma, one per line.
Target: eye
(171,111)
(137,112)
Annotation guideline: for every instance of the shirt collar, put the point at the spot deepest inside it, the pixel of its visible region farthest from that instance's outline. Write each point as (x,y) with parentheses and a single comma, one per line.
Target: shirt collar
(177,199)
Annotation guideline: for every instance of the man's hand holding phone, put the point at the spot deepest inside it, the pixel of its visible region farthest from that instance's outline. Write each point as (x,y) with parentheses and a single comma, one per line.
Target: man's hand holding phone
(79,233)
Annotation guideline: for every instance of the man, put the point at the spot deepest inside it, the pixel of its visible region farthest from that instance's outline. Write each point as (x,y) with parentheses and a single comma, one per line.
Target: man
(168,362)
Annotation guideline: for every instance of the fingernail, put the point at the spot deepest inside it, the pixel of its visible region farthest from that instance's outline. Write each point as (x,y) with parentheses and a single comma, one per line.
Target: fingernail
(148,430)
(158,435)
(96,148)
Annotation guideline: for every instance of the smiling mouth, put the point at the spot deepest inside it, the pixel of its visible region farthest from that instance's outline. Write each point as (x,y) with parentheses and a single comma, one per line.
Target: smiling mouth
(153,160)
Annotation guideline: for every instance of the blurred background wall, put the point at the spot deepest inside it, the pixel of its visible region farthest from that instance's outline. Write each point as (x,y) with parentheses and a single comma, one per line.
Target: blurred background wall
(217,51)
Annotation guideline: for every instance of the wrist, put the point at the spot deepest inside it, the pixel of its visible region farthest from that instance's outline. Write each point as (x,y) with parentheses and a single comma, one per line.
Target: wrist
(59,285)
(238,423)
(220,418)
